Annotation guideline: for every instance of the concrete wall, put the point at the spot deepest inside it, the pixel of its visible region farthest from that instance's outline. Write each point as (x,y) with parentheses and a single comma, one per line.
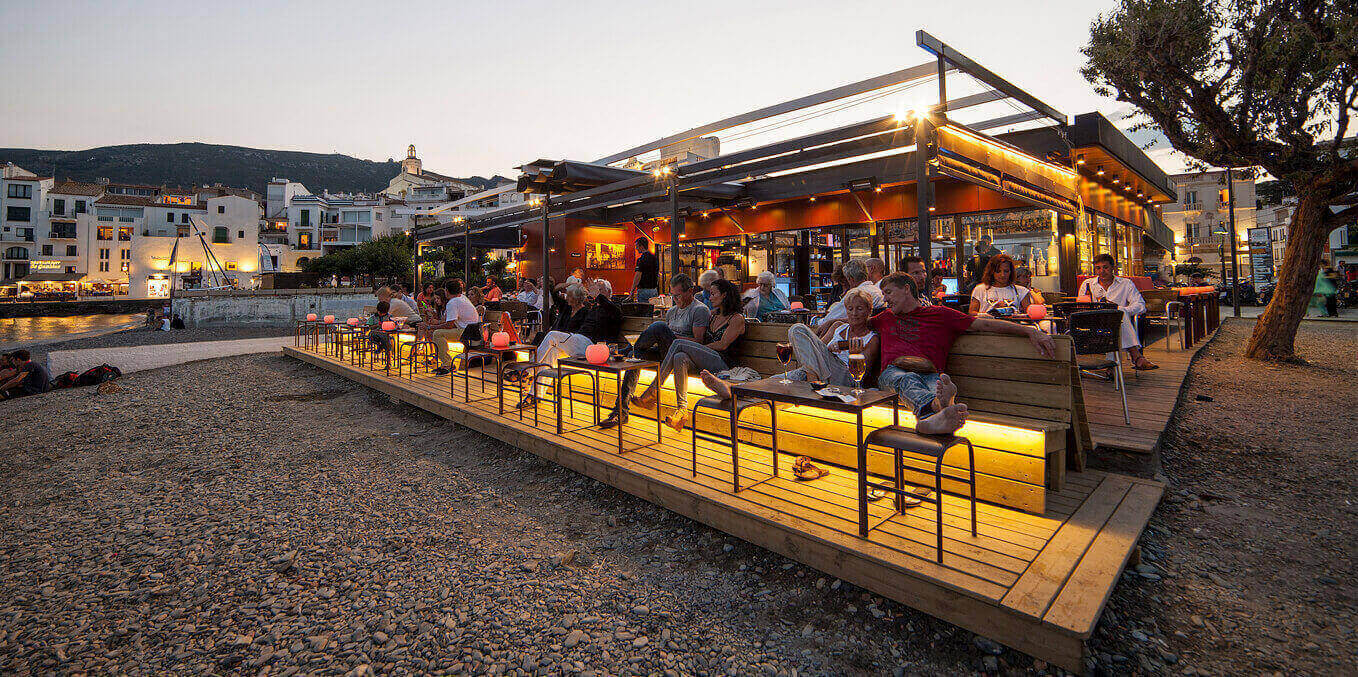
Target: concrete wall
(268,308)
(106,306)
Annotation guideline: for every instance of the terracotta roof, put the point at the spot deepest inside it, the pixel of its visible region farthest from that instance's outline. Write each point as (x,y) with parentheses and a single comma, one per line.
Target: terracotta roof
(78,188)
(435,176)
(27,178)
(166,205)
(127,200)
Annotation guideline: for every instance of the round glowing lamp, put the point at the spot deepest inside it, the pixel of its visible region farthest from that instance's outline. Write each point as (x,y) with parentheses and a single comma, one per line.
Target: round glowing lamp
(500,339)
(329,319)
(311,317)
(352,322)
(798,305)
(388,326)
(1037,311)
(597,353)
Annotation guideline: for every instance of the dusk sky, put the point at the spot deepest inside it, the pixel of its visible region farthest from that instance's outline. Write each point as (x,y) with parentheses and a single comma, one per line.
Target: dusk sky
(482,87)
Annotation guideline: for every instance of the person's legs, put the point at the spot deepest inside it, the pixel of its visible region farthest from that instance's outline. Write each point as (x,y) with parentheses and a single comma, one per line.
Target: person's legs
(441,338)
(549,350)
(688,358)
(815,357)
(1332,305)
(917,389)
(656,337)
(644,295)
(1132,344)
(694,354)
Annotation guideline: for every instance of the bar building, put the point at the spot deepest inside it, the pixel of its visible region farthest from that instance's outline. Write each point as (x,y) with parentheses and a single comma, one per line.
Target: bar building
(799,207)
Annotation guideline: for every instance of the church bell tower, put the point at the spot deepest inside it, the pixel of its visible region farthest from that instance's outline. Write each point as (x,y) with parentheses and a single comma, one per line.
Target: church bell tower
(411,165)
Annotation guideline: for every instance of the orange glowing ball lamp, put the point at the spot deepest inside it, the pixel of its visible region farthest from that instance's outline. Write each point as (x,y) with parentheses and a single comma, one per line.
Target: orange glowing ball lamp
(597,353)
(1037,311)
(500,339)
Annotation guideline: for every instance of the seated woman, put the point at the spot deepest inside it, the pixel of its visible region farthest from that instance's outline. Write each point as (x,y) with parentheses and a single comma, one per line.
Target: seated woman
(478,300)
(716,353)
(998,290)
(826,359)
(764,299)
(578,326)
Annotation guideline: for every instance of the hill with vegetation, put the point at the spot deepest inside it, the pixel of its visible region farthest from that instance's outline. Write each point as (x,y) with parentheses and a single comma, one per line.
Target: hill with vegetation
(186,164)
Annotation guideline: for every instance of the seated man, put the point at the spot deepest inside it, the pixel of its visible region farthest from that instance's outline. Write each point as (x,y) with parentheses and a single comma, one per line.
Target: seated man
(400,307)
(594,318)
(687,319)
(1107,286)
(913,342)
(380,339)
(458,316)
(764,299)
(491,292)
(29,377)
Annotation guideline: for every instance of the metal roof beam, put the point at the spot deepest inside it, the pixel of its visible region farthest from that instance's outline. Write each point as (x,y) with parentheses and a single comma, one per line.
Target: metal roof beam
(976,70)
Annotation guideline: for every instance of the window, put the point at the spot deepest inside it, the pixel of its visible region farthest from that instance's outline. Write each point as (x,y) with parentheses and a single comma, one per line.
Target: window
(17,253)
(125,254)
(230,265)
(304,240)
(58,207)
(71,250)
(103,266)
(103,253)
(47,250)
(20,190)
(221,235)
(379,216)
(63,230)
(306,217)
(221,209)
(18,213)
(104,233)
(80,206)
(1191,197)
(240,234)
(182,231)
(169,217)
(124,233)
(184,218)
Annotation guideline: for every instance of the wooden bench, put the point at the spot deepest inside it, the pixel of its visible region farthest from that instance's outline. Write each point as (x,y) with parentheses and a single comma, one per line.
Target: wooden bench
(1028,419)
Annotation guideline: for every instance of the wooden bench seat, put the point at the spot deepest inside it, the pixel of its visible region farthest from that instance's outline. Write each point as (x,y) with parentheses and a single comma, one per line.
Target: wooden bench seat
(1023,422)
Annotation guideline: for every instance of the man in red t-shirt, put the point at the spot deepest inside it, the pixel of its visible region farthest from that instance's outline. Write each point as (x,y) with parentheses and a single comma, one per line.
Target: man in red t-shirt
(913,341)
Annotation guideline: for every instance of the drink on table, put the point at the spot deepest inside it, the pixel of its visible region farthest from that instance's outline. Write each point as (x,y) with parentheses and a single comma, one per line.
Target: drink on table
(784,356)
(858,364)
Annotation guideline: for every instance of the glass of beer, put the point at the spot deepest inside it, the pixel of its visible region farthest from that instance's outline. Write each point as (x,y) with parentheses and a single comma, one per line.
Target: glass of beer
(784,356)
(858,364)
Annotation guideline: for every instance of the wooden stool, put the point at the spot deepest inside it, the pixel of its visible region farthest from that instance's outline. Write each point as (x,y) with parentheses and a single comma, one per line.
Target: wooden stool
(899,440)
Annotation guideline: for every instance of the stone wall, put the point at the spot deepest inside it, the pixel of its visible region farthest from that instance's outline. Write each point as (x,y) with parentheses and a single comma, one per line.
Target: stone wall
(68,308)
(268,307)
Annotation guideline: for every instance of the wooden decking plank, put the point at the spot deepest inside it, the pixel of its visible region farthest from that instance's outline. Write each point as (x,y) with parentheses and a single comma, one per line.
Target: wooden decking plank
(1034,591)
(1078,605)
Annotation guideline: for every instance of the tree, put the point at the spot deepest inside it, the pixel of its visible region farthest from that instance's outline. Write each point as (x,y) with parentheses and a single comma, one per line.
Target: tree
(388,257)
(1247,83)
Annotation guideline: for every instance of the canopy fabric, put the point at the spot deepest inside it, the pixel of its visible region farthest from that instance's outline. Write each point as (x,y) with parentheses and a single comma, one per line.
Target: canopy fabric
(568,176)
(53,277)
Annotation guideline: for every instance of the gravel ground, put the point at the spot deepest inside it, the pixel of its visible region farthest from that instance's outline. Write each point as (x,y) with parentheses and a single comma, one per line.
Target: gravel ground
(143,337)
(243,528)
(1249,563)
(284,518)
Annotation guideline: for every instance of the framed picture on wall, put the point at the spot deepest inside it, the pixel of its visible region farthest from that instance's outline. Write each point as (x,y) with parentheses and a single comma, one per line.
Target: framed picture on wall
(606,256)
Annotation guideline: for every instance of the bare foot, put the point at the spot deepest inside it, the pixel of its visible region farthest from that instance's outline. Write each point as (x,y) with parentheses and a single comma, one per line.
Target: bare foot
(716,385)
(945,422)
(945,392)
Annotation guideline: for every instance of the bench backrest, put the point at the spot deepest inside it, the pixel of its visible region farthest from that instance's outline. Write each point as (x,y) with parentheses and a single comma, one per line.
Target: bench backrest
(996,374)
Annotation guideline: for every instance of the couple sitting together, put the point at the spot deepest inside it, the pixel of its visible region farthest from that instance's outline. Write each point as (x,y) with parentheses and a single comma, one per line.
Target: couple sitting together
(910,342)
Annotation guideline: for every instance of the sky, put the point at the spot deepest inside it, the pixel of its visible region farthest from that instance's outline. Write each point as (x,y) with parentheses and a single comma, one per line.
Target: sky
(481,87)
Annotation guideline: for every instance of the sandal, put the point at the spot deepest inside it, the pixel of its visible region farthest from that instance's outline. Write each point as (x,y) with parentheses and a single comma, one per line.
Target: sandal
(913,498)
(677,420)
(805,471)
(875,494)
(1144,364)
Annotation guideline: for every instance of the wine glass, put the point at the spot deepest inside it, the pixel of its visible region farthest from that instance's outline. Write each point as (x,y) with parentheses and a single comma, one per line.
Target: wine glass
(784,356)
(858,364)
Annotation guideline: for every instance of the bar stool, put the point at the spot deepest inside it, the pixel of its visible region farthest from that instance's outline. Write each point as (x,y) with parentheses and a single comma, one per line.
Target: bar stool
(725,406)
(303,331)
(559,375)
(418,351)
(465,357)
(899,440)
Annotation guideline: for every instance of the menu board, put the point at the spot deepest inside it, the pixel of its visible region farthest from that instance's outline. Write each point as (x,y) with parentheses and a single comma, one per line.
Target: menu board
(1261,255)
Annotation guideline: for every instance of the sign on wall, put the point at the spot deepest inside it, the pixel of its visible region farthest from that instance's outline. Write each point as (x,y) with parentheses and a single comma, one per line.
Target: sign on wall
(46,266)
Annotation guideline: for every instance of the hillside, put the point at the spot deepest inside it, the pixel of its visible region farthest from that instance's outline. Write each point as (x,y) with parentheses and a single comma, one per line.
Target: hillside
(184,164)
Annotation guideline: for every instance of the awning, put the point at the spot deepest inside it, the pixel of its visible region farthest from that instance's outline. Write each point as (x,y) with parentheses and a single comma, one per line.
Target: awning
(53,277)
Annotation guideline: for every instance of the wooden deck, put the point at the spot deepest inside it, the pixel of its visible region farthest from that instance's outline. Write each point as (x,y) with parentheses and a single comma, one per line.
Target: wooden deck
(1034,582)
(1151,396)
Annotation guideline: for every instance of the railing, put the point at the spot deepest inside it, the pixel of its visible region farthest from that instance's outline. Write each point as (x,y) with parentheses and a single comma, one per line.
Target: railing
(62,235)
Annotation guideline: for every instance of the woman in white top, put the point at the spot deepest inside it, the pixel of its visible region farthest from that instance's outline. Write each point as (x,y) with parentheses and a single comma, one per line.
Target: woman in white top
(828,359)
(997,289)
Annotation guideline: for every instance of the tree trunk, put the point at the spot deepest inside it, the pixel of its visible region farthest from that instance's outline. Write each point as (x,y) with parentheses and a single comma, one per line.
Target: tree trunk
(1276,330)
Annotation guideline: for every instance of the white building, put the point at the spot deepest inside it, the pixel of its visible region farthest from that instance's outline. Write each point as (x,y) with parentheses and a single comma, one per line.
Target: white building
(23,195)
(1202,213)
(415,183)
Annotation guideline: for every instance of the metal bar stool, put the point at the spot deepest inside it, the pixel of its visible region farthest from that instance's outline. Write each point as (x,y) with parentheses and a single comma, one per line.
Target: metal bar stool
(559,376)
(466,356)
(301,329)
(733,408)
(419,351)
(900,440)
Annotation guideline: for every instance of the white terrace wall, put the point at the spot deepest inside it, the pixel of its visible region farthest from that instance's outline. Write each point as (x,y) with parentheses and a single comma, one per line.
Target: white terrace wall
(268,307)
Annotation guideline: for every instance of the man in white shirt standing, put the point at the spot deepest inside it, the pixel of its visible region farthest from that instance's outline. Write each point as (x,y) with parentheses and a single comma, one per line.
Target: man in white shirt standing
(457,316)
(1107,286)
(856,272)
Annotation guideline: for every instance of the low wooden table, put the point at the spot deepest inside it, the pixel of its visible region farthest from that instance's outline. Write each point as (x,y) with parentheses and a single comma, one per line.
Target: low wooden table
(618,367)
(803,393)
(487,351)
